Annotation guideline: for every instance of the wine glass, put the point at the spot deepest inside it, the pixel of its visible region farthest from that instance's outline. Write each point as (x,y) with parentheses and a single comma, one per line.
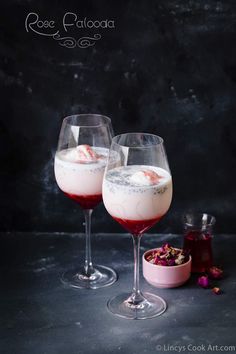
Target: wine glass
(137,193)
(79,166)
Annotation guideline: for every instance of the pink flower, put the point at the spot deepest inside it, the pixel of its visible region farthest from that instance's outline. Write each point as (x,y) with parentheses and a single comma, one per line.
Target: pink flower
(215,273)
(203,281)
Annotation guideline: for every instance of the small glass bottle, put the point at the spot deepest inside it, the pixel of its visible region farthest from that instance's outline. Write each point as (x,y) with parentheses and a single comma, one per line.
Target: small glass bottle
(198,235)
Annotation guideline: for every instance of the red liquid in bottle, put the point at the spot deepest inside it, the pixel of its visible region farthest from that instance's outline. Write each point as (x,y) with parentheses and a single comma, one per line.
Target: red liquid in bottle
(86,201)
(136,227)
(199,245)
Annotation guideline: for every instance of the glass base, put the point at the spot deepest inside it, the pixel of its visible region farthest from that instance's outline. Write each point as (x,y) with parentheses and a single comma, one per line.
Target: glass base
(150,306)
(101,277)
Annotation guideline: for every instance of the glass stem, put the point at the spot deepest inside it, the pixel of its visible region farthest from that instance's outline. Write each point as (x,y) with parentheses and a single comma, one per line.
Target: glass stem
(136,295)
(88,266)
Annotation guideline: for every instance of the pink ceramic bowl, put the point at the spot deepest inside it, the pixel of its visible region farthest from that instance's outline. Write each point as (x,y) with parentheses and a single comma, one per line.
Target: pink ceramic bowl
(166,276)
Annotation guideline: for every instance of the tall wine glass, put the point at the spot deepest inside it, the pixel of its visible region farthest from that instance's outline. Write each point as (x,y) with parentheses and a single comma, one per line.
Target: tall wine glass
(80,162)
(137,193)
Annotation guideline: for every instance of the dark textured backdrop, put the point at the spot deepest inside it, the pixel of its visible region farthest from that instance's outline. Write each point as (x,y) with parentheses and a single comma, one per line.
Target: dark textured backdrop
(168,67)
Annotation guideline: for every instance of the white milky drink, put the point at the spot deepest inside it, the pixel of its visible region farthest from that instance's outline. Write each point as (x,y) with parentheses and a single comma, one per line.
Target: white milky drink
(79,171)
(137,192)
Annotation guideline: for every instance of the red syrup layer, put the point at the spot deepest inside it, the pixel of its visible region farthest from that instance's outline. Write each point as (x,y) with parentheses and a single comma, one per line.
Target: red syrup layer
(200,249)
(137,227)
(86,201)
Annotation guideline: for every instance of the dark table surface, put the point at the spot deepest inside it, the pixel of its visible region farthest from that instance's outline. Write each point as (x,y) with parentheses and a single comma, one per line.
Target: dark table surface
(38,315)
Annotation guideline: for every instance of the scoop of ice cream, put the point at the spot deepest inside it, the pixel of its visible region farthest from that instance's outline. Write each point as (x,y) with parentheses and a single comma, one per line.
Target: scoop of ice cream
(145,178)
(71,155)
(82,153)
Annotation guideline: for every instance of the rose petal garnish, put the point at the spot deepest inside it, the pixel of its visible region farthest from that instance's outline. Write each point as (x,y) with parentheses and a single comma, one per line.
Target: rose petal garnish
(152,176)
(145,177)
(216,291)
(215,273)
(203,281)
(86,153)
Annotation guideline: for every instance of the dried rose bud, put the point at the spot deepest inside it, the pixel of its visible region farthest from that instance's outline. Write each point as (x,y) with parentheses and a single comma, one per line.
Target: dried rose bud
(180,259)
(163,262)
(166,247)
(215,273)
(216,291)
(156,260)
(149,257)
(203,281)
(171,262)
